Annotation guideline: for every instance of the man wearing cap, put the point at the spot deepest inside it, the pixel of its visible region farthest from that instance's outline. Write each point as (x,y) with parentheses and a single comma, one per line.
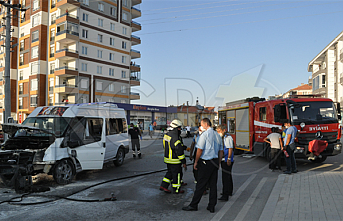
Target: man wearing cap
(174,157)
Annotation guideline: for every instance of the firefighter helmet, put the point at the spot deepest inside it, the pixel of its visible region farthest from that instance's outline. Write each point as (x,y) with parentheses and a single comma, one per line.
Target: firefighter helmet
(176,123)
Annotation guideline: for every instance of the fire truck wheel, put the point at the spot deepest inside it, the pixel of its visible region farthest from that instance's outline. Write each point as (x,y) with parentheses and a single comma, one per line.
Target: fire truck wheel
(319,160)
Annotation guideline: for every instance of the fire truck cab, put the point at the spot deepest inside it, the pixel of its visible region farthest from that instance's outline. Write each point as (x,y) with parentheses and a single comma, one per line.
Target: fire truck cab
(250,120)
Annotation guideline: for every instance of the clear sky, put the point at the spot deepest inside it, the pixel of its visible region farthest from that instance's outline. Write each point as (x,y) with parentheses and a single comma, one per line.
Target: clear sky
(221,50)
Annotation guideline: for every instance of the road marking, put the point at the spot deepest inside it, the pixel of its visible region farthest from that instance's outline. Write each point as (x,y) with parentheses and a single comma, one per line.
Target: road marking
(232,200)
(251,200)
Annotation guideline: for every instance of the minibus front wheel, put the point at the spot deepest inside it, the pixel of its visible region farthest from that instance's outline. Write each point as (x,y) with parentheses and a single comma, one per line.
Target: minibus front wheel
(63,172)
(120,157)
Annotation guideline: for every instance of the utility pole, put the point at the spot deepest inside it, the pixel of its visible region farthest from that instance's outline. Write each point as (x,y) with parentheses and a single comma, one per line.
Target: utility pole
(187,114)
(7,77)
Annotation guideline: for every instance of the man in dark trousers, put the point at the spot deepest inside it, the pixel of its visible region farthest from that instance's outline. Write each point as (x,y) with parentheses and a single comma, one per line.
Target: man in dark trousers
(208,157)
(174,157)
(135,134)
(227,163)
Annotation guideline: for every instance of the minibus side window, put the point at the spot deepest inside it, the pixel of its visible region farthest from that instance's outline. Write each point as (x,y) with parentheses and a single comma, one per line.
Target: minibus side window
(113,126)
(95,129)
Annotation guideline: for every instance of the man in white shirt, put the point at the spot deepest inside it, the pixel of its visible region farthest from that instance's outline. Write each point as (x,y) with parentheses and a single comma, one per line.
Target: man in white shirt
(275,141)
(188,128)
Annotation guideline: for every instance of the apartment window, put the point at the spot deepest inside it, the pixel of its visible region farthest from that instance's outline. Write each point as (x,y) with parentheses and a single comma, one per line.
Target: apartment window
(111,72)
(34,67)
(101,7)
(52,51)
(85,2)
(21,75)
(35,20)
(35,36)
(84,33)
(52,68)
(124,16)
(52,35)
(33,100)
(34,52)
(21,62)
(112,26)
(22,17)
(99,38)
(84,67)
(99,86)
(99,54)
(123,44)
(84,83)
(35,5)
(99,70)
(112,41)
(21,90)
(124,31)
(125,3)
(100,22)
(20,102)
(111,57)
(34,84)
(22,46)
(323,81)
(53,3)
(85,17)
(83,100)
(123,59)
(113,11)
(84,50)
(123,89)
(111,87)
(53,19)
(123,74)
(51,83)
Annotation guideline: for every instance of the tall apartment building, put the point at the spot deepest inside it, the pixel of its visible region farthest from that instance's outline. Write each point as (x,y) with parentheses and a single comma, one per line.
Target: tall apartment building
(73,51)
(327,71)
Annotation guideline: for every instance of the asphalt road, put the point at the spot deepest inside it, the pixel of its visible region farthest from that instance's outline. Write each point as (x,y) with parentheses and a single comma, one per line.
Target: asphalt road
(139,198)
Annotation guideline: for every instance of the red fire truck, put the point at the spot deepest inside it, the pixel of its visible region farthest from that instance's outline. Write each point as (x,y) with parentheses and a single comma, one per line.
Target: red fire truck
(250,120)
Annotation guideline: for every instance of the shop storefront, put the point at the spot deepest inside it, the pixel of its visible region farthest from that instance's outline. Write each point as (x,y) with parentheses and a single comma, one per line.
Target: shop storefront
(144,115)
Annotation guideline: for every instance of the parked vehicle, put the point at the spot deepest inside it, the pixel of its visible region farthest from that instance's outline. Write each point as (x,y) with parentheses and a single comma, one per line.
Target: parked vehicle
(64,140)
(192,131)
(249,121)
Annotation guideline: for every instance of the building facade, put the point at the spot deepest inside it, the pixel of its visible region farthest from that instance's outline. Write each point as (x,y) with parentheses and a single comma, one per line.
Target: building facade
(74,51)
(303,89)
(195,114)
(327,71)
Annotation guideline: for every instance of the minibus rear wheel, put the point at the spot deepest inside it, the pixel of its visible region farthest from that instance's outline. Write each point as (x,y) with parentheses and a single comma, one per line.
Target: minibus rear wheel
(119,158)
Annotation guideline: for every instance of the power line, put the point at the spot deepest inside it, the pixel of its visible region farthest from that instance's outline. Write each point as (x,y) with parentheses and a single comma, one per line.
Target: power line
(217,16)
(239,23)
(218,6)
(224,10)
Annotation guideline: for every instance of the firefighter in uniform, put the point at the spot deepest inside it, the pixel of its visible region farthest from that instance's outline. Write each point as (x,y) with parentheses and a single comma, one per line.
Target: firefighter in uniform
(174,158)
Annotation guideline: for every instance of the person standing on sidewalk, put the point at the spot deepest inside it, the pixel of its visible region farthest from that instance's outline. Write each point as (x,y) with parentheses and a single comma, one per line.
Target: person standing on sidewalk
(193,152)
(209,151)
(135,134)
(275,141)
(151,130)
(289,146)
(188,128)
(174,157)
(227,163)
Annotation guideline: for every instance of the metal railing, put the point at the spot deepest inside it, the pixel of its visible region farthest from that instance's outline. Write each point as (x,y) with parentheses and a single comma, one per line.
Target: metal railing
(67,50)
(66,85)
(21,107)
(52,39)
(135,51)
(53,21)
(136,9)
(134,36)
(68,32)
(21,92)
(134,93)
(69,15)
(51,88)
(134,78)
(21,63)
(135,65)
(52,55)
(36,39)
(53,5)
(136,23)
(66,67)
(52,71)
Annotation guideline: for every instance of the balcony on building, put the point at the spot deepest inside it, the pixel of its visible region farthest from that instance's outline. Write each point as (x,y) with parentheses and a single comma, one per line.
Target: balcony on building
(341,78)
(341,55)
(135,40)
(135,26)
(66,71)
(135,12)
(135,78)
(67,4)
(67,33)
(135,54)
(134,96)
(136,2)
(135,67)
(66,53)
(69,17)
(66,89)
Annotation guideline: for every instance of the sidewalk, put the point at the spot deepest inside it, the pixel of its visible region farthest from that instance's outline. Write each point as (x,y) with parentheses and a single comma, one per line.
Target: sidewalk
(306,196)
